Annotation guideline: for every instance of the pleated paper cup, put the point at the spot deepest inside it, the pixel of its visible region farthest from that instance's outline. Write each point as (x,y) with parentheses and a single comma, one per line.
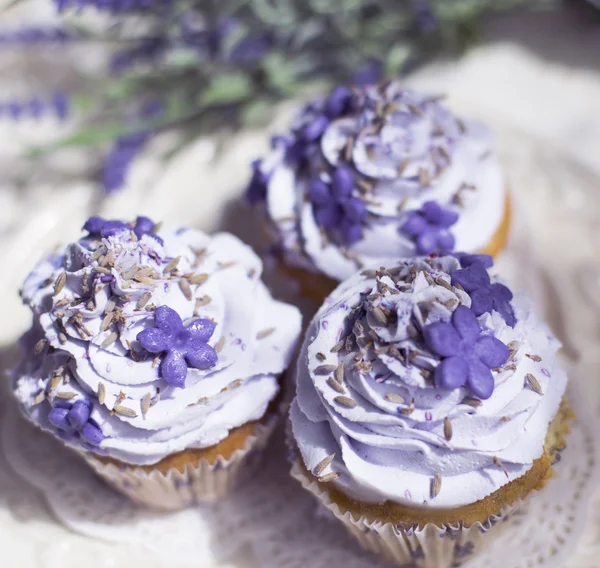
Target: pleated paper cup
(430,546)
(201,481)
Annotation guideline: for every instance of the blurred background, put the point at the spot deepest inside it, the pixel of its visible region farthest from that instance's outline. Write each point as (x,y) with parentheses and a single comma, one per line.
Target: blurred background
(120,107)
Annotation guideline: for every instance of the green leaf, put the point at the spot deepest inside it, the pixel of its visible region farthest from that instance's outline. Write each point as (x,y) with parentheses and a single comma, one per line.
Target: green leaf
(86,138)
(396,58)
(227,88)
(257,112)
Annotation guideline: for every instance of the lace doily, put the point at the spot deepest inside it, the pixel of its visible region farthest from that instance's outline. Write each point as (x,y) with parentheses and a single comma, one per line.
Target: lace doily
(273,516)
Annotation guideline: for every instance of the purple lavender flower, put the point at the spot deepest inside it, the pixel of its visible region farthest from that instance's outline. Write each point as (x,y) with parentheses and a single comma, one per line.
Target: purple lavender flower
(120,158)
(34,35)
(485,296)
(205,39)
(370,73)
(425,18)
(57,104)
(183,346)
(257,189)
(335,208)
(429,228)
(75,419)
(251,49)
(467,355)
(113,6)
(146,51)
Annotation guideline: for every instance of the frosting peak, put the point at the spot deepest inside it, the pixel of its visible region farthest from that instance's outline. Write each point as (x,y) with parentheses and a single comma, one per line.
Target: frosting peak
(146,342)
(402,383)
(373,174)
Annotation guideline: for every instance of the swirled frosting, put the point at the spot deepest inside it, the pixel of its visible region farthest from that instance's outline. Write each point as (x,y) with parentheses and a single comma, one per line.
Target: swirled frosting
(373,417)
(116,313)
(339,190)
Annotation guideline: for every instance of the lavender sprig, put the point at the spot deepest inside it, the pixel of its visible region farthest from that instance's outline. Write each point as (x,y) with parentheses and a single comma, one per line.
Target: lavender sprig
(215,63)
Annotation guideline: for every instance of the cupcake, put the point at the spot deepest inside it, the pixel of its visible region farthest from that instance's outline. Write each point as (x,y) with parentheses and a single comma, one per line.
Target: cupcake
(157,355)
(429,405)
(370,175)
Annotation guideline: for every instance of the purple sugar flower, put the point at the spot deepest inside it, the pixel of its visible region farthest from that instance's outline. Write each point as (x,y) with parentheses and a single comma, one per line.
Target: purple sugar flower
(335,208)
(183,346)
(429,228)
(468,259)
(98,227)
(467,355)
(485,296)
(75,419)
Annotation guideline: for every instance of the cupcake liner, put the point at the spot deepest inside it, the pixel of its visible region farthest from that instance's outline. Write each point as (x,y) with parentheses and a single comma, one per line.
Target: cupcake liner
(201,482)
(431,546)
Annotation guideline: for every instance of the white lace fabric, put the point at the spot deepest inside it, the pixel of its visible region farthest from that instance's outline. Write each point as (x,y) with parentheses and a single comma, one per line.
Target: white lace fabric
(55,513)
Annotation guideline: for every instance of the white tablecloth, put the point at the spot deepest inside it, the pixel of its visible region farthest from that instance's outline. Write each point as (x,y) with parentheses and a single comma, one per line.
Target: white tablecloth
(547,117)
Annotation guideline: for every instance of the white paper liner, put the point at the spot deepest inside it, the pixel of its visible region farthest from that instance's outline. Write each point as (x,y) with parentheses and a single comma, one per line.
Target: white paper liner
(430,547)
(202,482)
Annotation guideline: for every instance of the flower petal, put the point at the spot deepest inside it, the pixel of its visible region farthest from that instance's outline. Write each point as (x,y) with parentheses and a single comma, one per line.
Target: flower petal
(167,319)
(202,329)
(351,232)
(451,373)
(92,434)
(111,228)
(505,309)
(143,225)
(481,301)
(471,278)
(79,413)
(501,292)
(468,259)
(445,241)
(318,192)
(441,338)
(58,418)
(432,211)
(427,241)
(201,356)
(328,216)
(415,224)
(154,340)
(342,182)
(491,351)
(94,225)
(314,129)
(173,368)
(466,324)
(354,208)
(338,102)
(481,380)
